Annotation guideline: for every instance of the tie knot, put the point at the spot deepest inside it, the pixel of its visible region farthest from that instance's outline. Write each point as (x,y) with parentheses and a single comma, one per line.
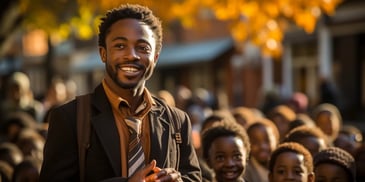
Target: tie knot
(134,124)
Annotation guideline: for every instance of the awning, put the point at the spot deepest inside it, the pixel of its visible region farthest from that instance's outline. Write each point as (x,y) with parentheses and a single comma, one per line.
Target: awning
(179,54)
(171,55)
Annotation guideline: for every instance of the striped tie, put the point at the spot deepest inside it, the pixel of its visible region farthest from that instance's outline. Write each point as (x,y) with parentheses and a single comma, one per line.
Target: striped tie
(135,153)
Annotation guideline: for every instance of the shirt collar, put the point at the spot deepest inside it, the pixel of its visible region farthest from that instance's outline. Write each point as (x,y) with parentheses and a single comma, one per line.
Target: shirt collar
(117,100)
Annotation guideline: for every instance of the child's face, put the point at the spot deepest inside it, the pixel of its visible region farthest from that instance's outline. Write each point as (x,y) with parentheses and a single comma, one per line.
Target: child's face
(282,124)
(227,157)
(289,166)
(328,123)
(263,142)
(329,172)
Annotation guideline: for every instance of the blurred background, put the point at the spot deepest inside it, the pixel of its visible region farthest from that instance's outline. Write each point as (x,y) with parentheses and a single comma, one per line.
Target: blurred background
(242,52)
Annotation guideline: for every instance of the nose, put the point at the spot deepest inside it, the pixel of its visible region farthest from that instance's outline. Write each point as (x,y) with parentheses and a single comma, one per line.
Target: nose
(264,145)
(229,162)
(290,175)
(132,55)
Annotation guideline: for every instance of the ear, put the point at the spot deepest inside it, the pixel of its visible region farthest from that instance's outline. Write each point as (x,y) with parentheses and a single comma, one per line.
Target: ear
(156,58)
(102,53)
(270,177)
(311,177)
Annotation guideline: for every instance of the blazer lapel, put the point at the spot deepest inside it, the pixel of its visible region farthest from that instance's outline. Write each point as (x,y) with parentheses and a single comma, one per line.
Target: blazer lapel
(105,128)
(159,136)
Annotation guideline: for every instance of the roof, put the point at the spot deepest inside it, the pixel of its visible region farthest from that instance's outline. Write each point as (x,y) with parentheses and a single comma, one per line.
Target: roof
(171,55)
(179,54)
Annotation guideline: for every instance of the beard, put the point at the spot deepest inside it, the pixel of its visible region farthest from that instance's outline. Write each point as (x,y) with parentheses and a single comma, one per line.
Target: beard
(113,74)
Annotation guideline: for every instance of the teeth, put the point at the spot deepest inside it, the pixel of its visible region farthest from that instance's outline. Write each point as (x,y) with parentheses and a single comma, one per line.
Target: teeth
(129,69)
(230,174)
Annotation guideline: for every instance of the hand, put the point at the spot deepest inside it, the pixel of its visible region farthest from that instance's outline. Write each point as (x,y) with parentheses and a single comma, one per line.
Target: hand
(165,175)
(140,175)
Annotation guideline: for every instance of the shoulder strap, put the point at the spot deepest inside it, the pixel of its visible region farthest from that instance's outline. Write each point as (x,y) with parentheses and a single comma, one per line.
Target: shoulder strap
(172,116)
(176,124)
(177,133)
(83,130)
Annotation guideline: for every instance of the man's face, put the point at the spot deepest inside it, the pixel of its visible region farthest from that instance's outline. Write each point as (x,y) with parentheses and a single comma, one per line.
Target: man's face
(130,53)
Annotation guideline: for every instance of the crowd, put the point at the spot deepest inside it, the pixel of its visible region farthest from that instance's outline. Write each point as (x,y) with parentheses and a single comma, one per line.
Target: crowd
(287,140)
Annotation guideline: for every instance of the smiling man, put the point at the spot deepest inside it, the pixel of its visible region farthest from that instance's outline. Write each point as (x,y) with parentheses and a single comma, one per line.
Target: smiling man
(132,132)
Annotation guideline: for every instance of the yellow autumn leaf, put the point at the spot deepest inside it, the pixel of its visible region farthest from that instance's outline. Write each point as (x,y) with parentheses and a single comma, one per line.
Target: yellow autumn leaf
(307,21)
(84,31)
(239,31)
(270,8)
(249,9)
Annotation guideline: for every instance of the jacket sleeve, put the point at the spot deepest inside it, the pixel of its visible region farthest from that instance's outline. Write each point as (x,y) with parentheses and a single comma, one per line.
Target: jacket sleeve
(60,157)
(189,165)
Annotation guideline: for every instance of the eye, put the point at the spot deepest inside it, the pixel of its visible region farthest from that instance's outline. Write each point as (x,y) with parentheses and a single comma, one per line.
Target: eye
(144,48)
(119,46)
(280,171)
(219,158)
(237,156)
(298,171)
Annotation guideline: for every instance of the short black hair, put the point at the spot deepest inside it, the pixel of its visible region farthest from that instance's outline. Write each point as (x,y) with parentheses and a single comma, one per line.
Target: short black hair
(134,11)
(295,148)
(303,132)
(224,129)
(265,122)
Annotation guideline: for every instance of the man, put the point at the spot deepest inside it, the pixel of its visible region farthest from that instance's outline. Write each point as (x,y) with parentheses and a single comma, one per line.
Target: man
(130,41)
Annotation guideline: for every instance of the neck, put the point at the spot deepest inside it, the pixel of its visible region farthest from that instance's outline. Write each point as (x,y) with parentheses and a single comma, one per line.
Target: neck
(133,96)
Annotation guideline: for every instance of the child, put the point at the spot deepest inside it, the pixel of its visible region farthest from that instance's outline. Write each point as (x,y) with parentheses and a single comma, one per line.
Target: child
(334,164)
(264,137)
(312,138)
(226,148)
(282,116)
(244,116)
(349,139)
(291,162)
(328,118)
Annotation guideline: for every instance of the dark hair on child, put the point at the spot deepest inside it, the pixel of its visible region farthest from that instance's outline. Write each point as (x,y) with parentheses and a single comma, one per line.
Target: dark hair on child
(224,129)
(337,156)
(266,123)
(303,132)
(295,148)
(134,11)
(216,117)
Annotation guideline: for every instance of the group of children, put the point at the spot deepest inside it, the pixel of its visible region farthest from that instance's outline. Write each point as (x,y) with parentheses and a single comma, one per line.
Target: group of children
(259,152)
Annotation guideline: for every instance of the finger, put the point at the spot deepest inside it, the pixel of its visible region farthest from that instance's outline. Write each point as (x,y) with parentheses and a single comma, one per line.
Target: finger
(161,173)
(175,176)
(156,169)
(151,175)
(148,168)
(150,178)
(165,172)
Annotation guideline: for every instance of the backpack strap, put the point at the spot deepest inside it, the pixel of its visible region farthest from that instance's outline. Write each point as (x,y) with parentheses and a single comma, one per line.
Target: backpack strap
(83,130)
(176,132)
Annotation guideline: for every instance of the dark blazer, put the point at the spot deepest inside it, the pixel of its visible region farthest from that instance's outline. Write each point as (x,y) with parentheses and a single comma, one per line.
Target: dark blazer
(103,156)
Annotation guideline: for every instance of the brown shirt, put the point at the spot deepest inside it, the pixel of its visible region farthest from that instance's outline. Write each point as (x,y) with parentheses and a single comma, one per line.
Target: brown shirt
(121,108)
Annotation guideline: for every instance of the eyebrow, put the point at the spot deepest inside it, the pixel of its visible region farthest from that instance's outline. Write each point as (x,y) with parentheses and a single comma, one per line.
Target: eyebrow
(119,38)
(125,39)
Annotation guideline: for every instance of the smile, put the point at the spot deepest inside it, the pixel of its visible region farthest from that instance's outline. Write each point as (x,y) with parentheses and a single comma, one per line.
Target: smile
(129,69)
